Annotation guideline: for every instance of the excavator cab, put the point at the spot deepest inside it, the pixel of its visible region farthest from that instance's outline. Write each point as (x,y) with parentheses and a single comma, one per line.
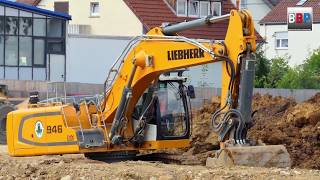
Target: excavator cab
(170,110)
(173,111)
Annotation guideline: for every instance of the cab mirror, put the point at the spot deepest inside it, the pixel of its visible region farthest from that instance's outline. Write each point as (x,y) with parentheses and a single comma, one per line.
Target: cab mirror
(191,93)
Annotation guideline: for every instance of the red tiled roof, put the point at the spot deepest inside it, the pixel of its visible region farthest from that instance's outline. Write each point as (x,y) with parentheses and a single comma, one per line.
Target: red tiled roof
(29,2)
(152,13)
(278,15)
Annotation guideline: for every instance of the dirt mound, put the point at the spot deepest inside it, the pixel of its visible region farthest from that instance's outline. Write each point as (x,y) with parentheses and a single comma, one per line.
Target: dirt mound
(297,126)
(204,140)
(277,120)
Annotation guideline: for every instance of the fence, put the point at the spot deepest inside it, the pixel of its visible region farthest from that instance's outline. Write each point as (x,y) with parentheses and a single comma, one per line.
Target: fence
(203,94)
(22,88)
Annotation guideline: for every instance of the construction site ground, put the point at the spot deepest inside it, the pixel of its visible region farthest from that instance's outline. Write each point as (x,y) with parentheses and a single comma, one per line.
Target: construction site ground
(276,121)
(77,167)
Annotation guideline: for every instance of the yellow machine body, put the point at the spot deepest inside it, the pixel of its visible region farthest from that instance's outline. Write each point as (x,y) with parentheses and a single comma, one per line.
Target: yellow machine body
(57,137)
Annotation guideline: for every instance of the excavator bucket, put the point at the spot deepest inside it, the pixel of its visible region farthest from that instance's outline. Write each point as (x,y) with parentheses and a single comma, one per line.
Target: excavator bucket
(254,156)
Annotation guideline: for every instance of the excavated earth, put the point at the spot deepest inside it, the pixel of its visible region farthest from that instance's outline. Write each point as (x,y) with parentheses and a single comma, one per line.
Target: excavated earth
(277,120)
(297,126)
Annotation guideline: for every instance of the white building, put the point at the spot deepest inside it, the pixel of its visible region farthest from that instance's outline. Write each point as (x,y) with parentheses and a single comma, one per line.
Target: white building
(295,44)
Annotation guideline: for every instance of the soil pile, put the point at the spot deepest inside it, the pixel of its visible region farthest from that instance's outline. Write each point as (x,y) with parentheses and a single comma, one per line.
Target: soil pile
(277,120)
(203,139)
(297,126)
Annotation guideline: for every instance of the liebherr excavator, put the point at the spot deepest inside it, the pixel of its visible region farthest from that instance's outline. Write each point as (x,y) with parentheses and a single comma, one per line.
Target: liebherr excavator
(138,113)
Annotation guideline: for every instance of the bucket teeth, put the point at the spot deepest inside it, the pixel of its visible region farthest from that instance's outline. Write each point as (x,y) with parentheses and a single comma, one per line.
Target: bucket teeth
(254,156)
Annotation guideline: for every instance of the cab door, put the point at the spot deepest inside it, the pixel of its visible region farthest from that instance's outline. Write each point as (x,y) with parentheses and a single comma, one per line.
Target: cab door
(173,119)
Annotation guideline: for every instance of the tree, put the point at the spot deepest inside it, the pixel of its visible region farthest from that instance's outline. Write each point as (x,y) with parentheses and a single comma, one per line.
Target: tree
(291,80)
(276,73)
(304,76)
(313,62)
(310,75)
(269,72)
(262,68)
(279,67)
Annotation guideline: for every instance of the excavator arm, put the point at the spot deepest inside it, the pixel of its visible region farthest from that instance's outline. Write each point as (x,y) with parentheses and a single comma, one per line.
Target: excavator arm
(162,50)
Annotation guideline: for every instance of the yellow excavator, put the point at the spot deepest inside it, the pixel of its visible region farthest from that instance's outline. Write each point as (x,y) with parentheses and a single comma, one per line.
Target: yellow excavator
(140,110)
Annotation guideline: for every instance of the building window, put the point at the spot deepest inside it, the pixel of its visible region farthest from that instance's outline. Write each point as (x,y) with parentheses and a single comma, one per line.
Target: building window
(94,9)
(54,28)
(194,8)
(11,50)
(39,52)
(25,51)
(1,24)
(25,26)
(216,8)
(204,8)
(11,12)
(1,50)
(281,40)
(181,8)
(39,27)
(55,46)
(11,25)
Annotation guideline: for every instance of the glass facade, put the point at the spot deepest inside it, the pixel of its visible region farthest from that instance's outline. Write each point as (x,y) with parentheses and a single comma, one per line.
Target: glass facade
(27,39)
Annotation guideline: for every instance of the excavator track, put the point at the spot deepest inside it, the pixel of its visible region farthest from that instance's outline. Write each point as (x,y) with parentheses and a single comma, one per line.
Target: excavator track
(161,157)
(112,157)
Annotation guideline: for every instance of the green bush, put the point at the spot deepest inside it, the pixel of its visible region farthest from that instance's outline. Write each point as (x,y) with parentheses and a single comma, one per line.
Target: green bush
(290,80)
(262,68)
(310,74)
(279,67)
(276,73)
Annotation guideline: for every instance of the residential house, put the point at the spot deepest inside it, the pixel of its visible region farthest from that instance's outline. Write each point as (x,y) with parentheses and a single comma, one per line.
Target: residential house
(153,13)
(295,44)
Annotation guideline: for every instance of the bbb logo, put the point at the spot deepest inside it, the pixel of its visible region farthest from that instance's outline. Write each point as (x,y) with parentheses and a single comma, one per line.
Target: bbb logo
(300,18)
